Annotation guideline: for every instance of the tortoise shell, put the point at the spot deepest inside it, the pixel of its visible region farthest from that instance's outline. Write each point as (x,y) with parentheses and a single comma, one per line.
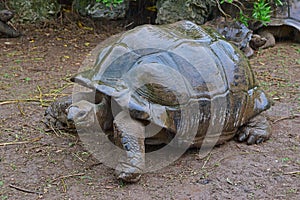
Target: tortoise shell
(182,77)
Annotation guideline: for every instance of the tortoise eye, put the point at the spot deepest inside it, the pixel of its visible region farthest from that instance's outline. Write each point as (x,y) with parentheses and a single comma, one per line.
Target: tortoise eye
(81,114)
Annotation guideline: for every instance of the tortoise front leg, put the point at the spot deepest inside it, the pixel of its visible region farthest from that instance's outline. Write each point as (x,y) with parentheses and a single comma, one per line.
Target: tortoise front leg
(129,135)
(257,130)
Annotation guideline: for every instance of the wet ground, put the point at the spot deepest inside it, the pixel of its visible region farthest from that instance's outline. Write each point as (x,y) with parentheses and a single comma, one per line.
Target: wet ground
(35,164)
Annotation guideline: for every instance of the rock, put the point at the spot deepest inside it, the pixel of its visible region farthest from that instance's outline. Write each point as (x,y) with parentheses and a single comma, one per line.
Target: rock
(100,10)
(34,10)
(6,29)
(6,15)
(170,11)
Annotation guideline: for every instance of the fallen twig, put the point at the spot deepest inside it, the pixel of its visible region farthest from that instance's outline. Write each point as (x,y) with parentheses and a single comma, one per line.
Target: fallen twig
(206,161)
(293,172)
(20,109)
(21,142)
(11,101)
(78,157)
(37,99)
(25,190)
(93,165)
(286,117)
(63,185)
(59,90)
(53,129)
(273,78)
(40,95)
(269,77)
(3,102)
(67,176)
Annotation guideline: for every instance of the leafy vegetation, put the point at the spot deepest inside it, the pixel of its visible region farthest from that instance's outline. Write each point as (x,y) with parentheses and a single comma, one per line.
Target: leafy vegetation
(261,10)
(34,10)
(110,2)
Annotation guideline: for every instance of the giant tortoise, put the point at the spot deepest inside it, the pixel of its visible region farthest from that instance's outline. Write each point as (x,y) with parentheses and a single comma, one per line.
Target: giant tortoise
(195,88)
(284,23)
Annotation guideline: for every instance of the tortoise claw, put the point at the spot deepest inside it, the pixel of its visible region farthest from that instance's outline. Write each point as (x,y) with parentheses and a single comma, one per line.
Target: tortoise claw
(129,176)
(256,131)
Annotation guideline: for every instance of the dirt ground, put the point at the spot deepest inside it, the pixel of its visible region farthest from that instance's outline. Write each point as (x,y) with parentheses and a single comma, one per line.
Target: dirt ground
(35,164)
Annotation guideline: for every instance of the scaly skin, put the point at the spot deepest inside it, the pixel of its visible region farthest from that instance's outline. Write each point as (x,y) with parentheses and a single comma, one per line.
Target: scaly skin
(256,131)
(129,134)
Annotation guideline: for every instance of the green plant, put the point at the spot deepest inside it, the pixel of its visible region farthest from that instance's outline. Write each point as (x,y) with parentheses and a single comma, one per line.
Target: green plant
(243,18)
(6,75)
(261,10)
(278,3)
(286,159)
(27,79)
(110,2)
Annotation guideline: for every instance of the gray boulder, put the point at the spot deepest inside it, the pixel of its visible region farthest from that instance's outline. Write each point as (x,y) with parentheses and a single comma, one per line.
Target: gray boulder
(34,10)
(100,10)
(170,11)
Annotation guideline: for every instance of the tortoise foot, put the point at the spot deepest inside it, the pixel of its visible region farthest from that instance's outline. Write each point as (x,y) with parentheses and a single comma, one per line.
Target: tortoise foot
(128,174)
(256,131)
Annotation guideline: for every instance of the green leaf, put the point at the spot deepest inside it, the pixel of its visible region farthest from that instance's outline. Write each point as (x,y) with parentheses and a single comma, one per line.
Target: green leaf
(6,75)
(278,3)
(108,3)
(27,79)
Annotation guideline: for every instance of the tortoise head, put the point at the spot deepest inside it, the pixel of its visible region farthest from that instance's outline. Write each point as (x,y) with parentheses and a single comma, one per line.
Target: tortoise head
(82,114)
(257,102)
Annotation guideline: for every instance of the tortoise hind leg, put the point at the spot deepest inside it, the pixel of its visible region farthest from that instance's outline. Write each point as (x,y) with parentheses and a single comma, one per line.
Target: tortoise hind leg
(257,130)
(129,135)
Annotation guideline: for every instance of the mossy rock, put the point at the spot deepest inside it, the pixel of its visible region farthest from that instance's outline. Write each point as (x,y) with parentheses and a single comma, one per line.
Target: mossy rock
(100,10)
(170,11)
(34,10)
